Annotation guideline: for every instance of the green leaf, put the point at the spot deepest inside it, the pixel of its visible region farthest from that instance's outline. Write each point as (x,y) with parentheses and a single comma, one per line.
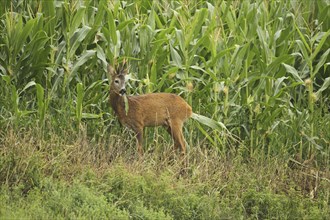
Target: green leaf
(153,73)
(293,71)
(277,62)
(209,122)
(41,103)
(126,104)
(32,83)
(303,49)
(50,14)
(320,63)
(278,84)
(6,78)
(124,24)
(101,55)
(100,13)
(77,19)
(325,86)
(21,38)
(179,36)
(15,100)
(79,101)
(195,28)
(60,52)
(219,55)
(320,45)
(206,134)
(81,60)
(77,38)
(90,116)
(145,36)
(303,40)
(176,57)
(112,26)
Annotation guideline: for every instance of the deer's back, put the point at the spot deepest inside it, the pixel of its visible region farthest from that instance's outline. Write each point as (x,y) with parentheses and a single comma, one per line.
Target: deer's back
(156,108)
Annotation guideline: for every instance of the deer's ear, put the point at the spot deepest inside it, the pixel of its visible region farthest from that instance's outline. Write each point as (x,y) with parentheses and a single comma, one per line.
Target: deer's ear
(111,70)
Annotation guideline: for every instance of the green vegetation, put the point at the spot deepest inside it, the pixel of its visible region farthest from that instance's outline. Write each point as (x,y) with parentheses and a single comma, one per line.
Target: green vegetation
(260,68)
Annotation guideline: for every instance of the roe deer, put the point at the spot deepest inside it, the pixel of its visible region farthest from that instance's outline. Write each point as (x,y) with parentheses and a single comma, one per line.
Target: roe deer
(149,110)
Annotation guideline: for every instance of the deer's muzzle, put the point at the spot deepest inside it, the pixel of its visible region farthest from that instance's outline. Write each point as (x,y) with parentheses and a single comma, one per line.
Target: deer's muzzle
(122,92)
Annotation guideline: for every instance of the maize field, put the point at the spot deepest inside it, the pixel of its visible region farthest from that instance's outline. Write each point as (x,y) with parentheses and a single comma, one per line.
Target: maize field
(258,68)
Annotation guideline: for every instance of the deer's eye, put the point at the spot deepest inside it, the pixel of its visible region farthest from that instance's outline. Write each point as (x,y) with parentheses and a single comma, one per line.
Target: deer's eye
(117,81)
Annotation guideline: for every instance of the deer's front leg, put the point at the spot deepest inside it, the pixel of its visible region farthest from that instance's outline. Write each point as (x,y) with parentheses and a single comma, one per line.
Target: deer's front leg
(139,136)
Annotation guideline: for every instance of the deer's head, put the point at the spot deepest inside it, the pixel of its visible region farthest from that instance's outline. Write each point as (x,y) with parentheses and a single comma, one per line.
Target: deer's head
(118,78)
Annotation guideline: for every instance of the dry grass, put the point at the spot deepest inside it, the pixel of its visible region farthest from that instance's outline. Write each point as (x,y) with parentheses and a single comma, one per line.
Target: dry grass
(69,157)
(249,185)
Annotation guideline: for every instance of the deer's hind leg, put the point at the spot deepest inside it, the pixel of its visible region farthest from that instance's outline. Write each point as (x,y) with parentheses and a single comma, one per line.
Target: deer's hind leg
(175,130)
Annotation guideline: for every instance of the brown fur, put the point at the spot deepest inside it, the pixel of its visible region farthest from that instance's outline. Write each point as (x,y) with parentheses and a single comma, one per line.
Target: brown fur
(149,110)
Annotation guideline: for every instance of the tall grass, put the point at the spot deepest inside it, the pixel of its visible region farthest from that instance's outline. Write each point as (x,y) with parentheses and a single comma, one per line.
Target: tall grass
(258,67)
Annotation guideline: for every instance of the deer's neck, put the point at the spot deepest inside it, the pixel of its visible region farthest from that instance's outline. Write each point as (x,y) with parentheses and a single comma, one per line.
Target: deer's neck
(117,103)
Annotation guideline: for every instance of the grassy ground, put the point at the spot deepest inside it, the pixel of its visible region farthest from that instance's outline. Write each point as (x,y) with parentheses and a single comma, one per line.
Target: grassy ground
(74,176)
